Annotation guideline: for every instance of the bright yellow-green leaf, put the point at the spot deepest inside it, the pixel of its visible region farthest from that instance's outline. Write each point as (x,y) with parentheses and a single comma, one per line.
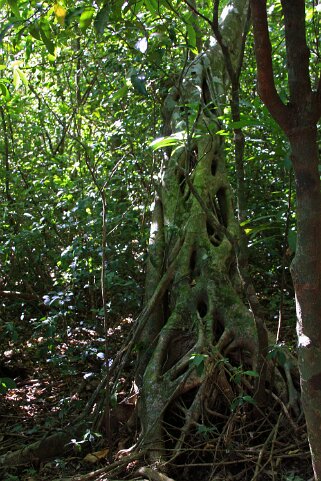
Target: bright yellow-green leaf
(16,79)
(22,77)
(309,13)
(86,18)
(60,13)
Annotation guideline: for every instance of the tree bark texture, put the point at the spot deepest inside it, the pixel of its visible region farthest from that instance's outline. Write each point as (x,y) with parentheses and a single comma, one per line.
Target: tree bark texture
(298,120)
(201,320)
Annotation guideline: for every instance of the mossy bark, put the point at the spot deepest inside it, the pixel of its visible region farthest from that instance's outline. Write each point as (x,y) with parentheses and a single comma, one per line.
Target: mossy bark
(201,324)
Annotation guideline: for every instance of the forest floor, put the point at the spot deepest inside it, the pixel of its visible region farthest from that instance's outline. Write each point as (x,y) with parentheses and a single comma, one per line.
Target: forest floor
(55,378)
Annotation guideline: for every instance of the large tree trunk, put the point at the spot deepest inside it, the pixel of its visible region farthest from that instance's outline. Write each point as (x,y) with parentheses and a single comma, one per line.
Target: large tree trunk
(201,330)
(298,119)
(306,274)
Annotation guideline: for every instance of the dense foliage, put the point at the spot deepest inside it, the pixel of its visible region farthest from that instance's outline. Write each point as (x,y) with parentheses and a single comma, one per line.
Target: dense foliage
(81,92)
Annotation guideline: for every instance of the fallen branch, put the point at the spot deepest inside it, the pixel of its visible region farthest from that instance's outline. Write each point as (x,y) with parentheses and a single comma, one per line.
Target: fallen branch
(47,447)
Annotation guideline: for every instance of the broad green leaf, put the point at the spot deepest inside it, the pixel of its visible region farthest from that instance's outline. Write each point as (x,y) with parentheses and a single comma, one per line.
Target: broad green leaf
(191,35)
(243,123)
(4,91)
(120,93)
(13,4)
(86,18)
(152,6)
(47,41)
(251,373)
(167,141)
(223,133)
(35,32)
(197,361)
(22,77)
(102,18)
(309,13)
(73,14)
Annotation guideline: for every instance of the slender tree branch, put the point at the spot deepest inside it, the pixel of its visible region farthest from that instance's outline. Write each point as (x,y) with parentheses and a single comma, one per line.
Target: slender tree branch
(263,51)
(197,12)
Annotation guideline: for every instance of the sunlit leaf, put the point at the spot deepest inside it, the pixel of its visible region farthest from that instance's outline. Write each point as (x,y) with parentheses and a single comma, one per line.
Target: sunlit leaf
(16,79)
(60,13)
(168,141)
(22,77)
(246,122)
(86,18)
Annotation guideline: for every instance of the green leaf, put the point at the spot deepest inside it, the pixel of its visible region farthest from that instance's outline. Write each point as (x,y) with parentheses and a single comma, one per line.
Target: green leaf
(191,35)
(4,91)
(251,373)
(245,122)
(60,13)
(248,399)
(86,18)
(239,401)
(139,84)
(6,383)
(120,93)
(47,41)
(73,14)
(168,141)
(35,32)
(102,18)
(197,361)
(16,79)
(14,7)
(152,6)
